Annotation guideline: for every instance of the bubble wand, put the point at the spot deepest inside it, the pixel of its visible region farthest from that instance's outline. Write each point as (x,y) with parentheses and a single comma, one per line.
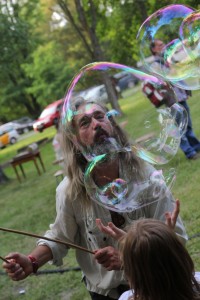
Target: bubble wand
(1,257)
(45,238)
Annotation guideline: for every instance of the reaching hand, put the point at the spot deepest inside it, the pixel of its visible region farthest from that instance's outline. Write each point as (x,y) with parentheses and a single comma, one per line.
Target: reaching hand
(110,229)
(171,217)
(19,266)
(108,256)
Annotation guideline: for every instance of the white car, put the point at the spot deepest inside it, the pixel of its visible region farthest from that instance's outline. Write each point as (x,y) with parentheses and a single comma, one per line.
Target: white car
(8,135)
(96,93)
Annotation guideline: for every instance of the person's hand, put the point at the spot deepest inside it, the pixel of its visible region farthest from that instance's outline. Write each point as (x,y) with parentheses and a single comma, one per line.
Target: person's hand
(109,258)
(171,217)
(19,266)
(110,230)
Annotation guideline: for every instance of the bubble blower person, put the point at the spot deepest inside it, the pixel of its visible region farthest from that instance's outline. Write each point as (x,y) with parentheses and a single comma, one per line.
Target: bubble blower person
(189,144)
(92,130)
(156,264)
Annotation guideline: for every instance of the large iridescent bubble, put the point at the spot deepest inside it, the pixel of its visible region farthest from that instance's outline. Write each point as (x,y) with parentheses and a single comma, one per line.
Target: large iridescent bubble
(179,59)
(154,137)
(160,128)
(190,31)
(130,190)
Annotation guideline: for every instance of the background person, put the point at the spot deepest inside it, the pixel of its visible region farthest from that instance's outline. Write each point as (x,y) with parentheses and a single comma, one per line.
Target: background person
(190,145)
(77,213)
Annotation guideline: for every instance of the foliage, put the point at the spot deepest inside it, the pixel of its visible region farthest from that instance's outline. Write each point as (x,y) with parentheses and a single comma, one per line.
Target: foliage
(45,42)
(17,42)
(49,74)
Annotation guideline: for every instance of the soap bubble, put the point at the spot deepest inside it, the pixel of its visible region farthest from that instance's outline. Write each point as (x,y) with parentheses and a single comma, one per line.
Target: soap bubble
(180,117)
(153,139)
(163,25)
(190,31)
(164,141)
(176,27)
(177,60)
(129,191)
(161,147)
(182,67)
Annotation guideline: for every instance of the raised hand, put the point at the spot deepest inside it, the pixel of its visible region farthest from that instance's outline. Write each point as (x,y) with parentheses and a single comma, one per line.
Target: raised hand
(110,230)
(171,217)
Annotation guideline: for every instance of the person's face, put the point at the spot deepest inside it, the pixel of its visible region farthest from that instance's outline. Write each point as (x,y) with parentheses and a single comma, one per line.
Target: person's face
(159,45)
(92,125)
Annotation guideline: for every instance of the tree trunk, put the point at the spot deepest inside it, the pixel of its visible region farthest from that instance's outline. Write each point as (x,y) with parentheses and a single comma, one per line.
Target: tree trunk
(112,93)
(87,32)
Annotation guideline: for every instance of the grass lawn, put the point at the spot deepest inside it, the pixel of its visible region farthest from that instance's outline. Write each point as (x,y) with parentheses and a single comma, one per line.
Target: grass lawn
(30,206)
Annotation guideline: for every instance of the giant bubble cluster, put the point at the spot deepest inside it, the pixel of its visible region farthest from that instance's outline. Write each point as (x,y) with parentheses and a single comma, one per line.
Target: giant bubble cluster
(161,128)
(178,28)
(156,133)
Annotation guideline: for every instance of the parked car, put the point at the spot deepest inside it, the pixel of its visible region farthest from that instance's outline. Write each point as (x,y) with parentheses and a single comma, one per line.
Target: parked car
(14,125)
(8,135)
(125,80)
(96,93)
(49,116)
(24,124)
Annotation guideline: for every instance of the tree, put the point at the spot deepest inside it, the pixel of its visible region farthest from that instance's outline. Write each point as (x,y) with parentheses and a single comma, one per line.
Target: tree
(83,18)
(50,75)
(16,46)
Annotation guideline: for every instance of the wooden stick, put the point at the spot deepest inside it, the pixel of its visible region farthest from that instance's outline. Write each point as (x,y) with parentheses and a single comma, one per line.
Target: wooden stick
(46,238)
(1,257)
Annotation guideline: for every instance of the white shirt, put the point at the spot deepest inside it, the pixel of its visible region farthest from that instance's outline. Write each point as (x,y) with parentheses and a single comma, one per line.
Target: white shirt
(77,225)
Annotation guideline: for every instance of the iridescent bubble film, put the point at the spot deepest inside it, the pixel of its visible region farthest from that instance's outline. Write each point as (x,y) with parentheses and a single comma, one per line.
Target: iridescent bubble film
(130,190)
(171,34)
(158,148)
(190,31)
(153,138)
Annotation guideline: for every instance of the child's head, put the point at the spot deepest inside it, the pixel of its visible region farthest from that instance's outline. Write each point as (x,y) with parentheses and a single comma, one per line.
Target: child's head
(155,262)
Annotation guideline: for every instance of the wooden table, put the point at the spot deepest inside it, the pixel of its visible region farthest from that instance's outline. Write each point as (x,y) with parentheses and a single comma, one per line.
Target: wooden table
(26,156)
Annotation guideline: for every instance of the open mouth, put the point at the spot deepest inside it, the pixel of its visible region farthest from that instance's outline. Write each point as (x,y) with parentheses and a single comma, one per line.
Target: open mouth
(100,136)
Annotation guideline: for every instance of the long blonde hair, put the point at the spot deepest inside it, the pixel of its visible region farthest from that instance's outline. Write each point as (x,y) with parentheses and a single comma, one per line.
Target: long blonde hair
(75,163)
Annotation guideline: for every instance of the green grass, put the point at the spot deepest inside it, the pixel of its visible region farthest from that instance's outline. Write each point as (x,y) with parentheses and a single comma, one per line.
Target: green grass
(30,206)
